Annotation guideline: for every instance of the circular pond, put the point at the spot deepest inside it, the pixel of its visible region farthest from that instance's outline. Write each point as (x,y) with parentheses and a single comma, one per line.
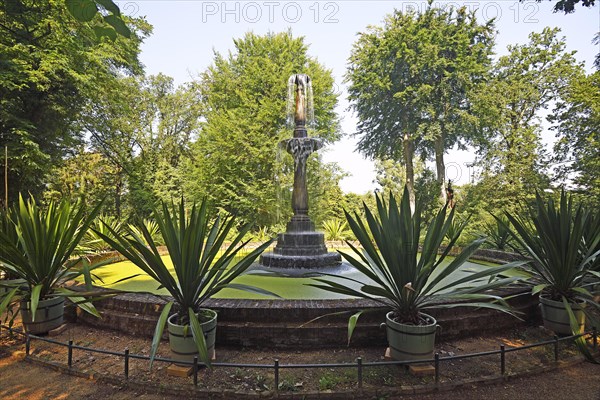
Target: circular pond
(295,287)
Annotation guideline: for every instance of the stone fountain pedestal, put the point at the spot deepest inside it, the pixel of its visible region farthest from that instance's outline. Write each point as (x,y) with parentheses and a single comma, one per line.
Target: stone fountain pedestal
(300,247)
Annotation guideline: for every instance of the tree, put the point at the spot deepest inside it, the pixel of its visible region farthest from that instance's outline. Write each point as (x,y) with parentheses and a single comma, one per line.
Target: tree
(144,126)
(410,82)
(568,6)
(576,119)
(106,14)
(236,161)
(51,66)
(523,83)
(85,175)
(391,176)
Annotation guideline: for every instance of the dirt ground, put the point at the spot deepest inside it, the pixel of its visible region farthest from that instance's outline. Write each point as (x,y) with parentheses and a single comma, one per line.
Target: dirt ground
(21,379)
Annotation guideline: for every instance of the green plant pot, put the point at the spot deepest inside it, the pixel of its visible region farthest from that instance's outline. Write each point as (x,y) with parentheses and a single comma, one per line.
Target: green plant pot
(183,347)
(411,342)
(556,318)
(48,316)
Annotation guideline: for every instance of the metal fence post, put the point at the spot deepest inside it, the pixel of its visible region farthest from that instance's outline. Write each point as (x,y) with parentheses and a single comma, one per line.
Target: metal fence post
(437,368)
(502,360)
(195,370)
(276,374)
(126,363)
(555,348)
(70,354)
(360,372)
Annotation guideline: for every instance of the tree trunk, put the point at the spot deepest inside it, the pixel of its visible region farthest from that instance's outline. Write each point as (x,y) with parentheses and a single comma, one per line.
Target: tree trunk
(440,167)
(408,150)
(118,188)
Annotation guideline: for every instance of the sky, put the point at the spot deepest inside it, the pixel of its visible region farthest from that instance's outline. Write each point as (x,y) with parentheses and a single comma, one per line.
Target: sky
(187,33)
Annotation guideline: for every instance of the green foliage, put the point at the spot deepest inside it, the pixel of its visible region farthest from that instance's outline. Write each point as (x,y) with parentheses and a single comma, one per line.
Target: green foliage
(37,245)
(151,227)
(576,119)
(92,242)
(88,10)
(335,229)
(235,161)
(456,228)
(53,67)
(85,174)
(204,263)
(511,154)
(562,252)
(410,83)
(409,278)
(498,233)
(568,6)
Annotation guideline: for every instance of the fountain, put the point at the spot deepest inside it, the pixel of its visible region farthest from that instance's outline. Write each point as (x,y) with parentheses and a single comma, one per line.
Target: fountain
(300,247)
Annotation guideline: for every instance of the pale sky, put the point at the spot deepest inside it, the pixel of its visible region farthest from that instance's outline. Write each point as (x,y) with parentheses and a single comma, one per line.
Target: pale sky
(186,33)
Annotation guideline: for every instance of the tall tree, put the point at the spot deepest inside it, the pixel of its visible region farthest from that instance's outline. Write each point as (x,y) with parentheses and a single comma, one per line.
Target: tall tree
(410,82)
(51,66)
(85,174)
(576,119)
(236,160)
(144,126)
(524,83)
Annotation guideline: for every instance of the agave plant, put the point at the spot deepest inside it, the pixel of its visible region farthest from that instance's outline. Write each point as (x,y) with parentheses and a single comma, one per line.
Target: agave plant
(563,249)
(407,277)
(203,263)
(37,245)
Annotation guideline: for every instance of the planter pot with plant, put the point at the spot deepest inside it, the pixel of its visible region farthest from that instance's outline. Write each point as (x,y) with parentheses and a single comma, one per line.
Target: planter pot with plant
(203,264)
(409,281)
(562,243)
(37,247)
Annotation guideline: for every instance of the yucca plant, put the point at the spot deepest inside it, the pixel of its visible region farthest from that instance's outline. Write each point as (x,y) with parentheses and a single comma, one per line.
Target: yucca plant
(203,263)
(591,231)
(563,250)
(91,241)
(498,233)
(37,245)
(152,228)
(335,229)
(456,228)
(408,278)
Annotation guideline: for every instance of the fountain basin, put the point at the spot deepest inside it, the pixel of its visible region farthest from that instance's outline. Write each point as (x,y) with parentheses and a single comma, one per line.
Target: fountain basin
(306,263)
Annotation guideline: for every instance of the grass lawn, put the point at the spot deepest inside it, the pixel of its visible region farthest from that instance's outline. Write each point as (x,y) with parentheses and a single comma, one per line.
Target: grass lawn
(287,288)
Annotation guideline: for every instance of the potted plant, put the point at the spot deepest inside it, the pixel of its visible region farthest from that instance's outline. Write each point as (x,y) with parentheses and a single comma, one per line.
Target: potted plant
(37,246)
(409,278)
(203,265)
(563,246)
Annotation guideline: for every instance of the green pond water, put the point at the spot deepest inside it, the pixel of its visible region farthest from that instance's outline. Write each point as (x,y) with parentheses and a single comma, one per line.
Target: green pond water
(286,287)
